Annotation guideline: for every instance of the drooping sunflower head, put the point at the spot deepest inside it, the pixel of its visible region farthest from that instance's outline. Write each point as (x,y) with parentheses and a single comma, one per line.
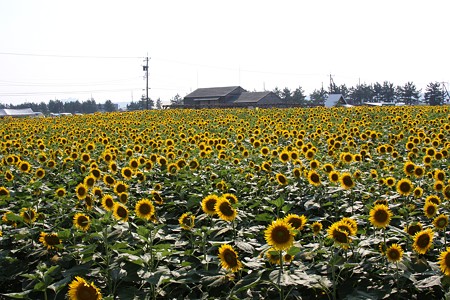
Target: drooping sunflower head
(81,221)
(346,180)
(444,262)
(225,210)
(186,221)
(209,203)
(380,216)
(49,240)
(80,289)
(404,187)
(144,209)
(279,235)
(29,215)
(273,256)
(440,222)
(229,259)
(339,236)
(394,253)
(120,212)
(423,241)
(297,222)
(281,179)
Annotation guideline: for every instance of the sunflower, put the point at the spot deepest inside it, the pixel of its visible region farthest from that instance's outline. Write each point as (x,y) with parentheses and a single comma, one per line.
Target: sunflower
(273,256)
(127,173)
(279,235)
(339,236)
(81,190)
(439,175)
(156,196)
(334,176)
(81,221)
(89,201)
(419,171)
(418,192)
(380,216)
(423,241)
(434,199)
(297,222)
(390,181)
(314,178)
(440,222)
(328,167)
(224,209)
(444,261)
(209,203)
(109,180)
(288,258)
(438,186)
(107,202)
(25,166)
(430,209)
(409,167)
(193,164)
(229,259)
(120,187)
(316,227)
(89,180)
(4,192)
(346,181)
(29,215)
(404,187)
(80,289)
(282,180)
(297,172)
(49,240)
(413,228)
(231,198)
(187,221)
(446,192)
(350,224)
(120,212)
(9,176)
(40,173)
(97,192)
(144,209)
(394,253)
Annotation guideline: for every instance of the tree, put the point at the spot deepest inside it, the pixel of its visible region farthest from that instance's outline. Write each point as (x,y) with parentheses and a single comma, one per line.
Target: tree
(388,92)
(361,93)
(434,95)
(73,107)
(277,91)
(408,93)
(318,97)
(89,106)
(158,103)
(108,106)
(377,89)
(176,100)
(56,106)
(286,95)
(298,96)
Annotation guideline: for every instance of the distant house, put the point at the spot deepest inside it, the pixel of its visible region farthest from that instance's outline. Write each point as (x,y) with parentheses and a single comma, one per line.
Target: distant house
(18,113)
(230,96)
(336,100)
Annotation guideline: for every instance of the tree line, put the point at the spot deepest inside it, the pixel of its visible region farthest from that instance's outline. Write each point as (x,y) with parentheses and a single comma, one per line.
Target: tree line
(73,107)
(435,94)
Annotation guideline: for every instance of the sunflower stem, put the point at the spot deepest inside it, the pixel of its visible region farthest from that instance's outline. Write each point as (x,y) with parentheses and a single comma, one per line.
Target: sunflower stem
(279,276)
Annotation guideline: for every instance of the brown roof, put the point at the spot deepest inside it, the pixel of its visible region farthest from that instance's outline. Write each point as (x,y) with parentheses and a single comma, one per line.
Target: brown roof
(212,92)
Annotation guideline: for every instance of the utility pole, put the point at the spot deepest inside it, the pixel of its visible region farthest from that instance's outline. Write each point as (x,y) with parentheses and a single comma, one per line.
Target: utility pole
(145,68)
(332,84)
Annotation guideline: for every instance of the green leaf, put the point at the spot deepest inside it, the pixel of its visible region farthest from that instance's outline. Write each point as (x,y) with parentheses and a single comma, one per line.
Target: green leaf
(21,295)
(59,285)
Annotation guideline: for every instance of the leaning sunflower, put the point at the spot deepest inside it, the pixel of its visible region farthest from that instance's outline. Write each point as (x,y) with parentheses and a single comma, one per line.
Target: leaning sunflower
(224,210)
(444,261)
(280,234)
(440,222)
(29,215)
(49,240)
(187,221)
(80,289)
(81,221)
(145,209)
(346,181)
(209,203)
(380,216)
(120,212)
(229,259)
(423,241)
(297,222)
(281,179)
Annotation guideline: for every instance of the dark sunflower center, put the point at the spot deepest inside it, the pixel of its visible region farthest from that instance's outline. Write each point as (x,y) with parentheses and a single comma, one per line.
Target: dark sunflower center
(230,258)
(187,221)
(347,181)
(441,223)
(3,192)
(226,209)
(81,191)
(393,254)
(381,216)
(413,229)
(340,236)
(431,209)
(82,221)
(280,235)
(295,222)
(121,188)
(122,212)
(109,202)
(86,292)
(447,260)
(52,240)
(315,178)
(405,187)
(423,241)
(210,204)
(334,177)
(90,181)
(144,209)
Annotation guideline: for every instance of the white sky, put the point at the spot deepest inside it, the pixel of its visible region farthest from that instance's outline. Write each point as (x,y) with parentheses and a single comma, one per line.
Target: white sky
(191,44)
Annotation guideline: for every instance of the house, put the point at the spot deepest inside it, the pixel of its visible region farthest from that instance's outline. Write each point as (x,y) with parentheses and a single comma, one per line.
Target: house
(17,113)
(231,96)
(336,100)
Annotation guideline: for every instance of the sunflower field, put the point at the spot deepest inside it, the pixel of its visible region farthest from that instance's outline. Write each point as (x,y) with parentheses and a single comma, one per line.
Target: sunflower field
(341,203)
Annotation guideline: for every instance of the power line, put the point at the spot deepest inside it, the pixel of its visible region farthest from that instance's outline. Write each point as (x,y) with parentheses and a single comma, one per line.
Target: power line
(23,83)
(70,56)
